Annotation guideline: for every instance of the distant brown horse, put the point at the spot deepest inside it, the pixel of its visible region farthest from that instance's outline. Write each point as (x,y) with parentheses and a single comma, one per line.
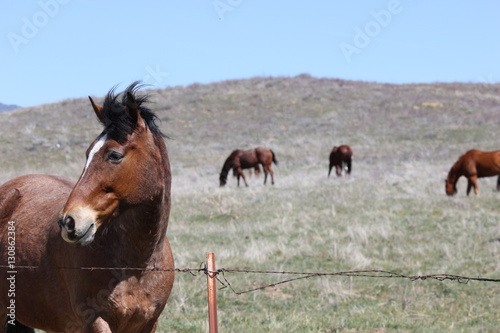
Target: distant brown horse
(92,256)
(472,165)
(340,157)
(245,159)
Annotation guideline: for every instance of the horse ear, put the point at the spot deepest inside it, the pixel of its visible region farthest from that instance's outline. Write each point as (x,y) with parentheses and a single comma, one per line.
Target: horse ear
(97,109)
(133,111)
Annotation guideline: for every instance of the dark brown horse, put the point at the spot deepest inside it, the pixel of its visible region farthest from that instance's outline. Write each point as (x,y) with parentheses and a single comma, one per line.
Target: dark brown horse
(113,219)
(472,165)
(340,157)
(245,159)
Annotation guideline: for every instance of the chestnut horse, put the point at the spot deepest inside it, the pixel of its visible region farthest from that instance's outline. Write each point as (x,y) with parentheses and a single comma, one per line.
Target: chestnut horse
(340,157)
(472,165)
(113,219)
(246,159)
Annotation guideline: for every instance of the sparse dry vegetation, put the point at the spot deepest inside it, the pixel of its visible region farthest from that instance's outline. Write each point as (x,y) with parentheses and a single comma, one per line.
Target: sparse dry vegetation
(391,213)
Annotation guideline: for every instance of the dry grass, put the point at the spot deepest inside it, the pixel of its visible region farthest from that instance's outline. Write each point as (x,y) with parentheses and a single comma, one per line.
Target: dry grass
(391,214)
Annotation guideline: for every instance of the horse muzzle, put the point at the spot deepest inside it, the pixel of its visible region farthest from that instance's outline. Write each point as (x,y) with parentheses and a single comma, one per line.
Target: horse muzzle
(78,227)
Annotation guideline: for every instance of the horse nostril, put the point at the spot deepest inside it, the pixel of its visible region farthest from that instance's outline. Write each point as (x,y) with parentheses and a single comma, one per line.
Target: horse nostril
(70,223)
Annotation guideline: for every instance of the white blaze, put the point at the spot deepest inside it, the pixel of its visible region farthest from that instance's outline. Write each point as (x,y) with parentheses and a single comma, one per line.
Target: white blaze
(98,145)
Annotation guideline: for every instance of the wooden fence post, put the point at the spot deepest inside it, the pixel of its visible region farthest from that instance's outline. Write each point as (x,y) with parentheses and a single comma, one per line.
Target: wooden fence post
(212,296)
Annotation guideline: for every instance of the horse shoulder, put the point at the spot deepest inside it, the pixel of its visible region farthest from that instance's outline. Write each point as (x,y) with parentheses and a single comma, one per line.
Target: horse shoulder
(141,298)
(8,203)
(469,166)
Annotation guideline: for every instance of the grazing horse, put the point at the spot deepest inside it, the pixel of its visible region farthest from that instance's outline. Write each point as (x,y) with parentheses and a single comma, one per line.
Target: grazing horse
(92,256)
(340,157)
(472,165)
(246,159)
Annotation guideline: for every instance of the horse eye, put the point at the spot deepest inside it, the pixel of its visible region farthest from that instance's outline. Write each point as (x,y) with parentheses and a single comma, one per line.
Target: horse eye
(115,156)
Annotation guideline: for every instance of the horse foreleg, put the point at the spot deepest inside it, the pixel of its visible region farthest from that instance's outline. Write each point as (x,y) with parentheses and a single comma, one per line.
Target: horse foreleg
(242,175)
(99,326)
(338,169)
(472,182)
(349,167)
(476,186)
(498,183)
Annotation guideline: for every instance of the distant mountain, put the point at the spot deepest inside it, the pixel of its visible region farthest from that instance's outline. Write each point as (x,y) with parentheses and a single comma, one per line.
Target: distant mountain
(5,107)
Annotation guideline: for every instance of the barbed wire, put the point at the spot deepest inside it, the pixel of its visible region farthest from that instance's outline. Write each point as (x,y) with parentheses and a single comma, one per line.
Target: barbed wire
(303,275)
(359,273)
(149,269)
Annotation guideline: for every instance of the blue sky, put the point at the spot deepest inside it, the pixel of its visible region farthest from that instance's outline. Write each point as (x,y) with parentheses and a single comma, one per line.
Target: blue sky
(52,50)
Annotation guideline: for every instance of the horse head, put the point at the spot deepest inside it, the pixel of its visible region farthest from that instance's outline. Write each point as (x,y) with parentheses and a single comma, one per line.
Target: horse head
(222,180)
(451,188)
(125,168)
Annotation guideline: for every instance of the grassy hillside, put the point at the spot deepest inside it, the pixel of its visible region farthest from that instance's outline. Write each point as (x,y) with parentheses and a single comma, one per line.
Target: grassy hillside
(391,213)
(300,117)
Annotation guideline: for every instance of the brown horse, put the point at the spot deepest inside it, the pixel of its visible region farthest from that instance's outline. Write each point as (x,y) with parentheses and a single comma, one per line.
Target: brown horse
(340,157)
(472,165)
(245,159)
(113,220)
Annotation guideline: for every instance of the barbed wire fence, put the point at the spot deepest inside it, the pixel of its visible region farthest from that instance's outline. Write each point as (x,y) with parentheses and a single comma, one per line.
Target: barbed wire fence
(222,274)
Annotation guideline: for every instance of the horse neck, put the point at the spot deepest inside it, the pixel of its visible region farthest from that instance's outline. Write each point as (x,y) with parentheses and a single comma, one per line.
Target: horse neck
(455,172)
(142,231)
(138,233)
(226,168)
(135,238)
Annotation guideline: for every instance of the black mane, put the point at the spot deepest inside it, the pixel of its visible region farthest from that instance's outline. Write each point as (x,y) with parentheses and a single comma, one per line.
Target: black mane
(117,122)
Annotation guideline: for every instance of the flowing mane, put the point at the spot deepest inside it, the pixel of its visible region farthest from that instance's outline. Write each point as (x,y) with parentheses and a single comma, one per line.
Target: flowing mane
(118,125)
